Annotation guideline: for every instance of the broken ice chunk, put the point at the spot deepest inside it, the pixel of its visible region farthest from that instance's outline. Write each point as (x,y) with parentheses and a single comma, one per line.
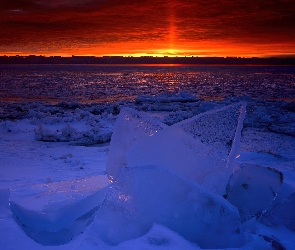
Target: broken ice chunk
(48,211)
(202,148)
(252,188)
(282,213)
(141,196)
(131,126)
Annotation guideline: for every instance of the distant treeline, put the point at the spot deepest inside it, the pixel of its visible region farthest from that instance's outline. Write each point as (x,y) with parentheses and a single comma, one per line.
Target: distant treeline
(32,59)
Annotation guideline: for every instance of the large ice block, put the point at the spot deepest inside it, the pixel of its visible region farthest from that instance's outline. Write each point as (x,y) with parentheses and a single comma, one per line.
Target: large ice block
(141,196)
(51,213)
(131,126)
(201,149)
(253,188)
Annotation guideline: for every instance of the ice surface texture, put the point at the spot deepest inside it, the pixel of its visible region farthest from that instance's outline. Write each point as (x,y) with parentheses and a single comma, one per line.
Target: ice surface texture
(145,195)
(49,212)
(131,126)
(201,149)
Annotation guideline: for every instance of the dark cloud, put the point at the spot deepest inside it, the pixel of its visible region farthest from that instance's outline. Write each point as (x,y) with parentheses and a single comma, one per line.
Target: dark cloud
(18,4)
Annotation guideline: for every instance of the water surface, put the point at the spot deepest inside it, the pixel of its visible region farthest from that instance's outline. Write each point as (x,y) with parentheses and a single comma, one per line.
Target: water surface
(90,83)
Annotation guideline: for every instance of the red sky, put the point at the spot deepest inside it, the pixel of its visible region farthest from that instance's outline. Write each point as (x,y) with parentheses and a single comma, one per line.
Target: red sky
(148,27)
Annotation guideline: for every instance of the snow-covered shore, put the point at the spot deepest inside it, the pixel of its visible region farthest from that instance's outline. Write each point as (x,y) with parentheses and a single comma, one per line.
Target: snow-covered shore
(43,144)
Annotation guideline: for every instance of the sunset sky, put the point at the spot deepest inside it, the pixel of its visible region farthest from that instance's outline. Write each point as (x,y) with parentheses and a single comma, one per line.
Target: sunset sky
(148,27)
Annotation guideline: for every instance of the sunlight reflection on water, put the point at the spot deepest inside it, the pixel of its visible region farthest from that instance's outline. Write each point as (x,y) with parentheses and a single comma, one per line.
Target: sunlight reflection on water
(91,83)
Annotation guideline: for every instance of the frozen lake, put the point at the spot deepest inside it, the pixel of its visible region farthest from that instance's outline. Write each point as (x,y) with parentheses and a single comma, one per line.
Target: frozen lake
(60,133)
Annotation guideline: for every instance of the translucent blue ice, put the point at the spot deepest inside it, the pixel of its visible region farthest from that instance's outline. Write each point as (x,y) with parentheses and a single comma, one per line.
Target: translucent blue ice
(145,195)
(131,127)
(202,149)
(54,213)
(253,188)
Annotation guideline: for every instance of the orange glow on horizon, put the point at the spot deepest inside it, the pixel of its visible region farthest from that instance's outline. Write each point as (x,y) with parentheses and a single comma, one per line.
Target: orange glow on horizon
(169,48)
(224,52)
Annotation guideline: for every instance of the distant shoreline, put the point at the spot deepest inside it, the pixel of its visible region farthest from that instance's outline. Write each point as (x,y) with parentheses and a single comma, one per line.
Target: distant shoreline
(148,61)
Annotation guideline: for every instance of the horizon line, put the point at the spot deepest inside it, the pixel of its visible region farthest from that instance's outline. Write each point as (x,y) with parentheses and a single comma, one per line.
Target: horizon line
(147,56)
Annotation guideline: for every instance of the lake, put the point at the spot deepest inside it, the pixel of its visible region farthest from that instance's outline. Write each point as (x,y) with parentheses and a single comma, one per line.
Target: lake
(96,83)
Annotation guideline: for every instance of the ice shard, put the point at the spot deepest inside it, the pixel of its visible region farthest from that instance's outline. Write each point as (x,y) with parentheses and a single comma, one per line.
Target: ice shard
(202,148)
(145,195)
(131,127)
(253,188)
(54,213)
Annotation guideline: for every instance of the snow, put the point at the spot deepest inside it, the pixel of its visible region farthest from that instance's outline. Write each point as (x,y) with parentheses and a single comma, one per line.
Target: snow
(168,98)
(42,177)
